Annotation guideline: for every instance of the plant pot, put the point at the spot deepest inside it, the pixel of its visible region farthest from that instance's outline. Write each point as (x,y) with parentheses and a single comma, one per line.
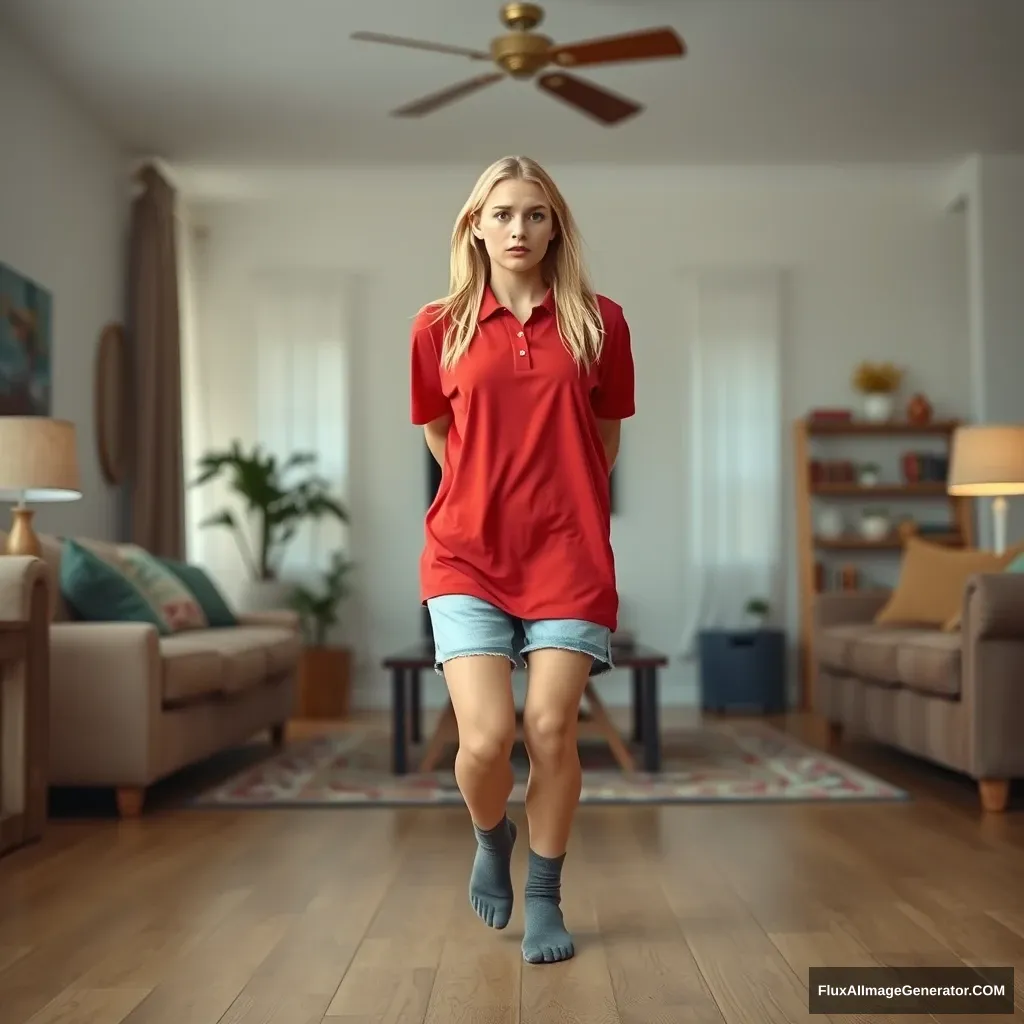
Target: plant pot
(325,682)
(878,407)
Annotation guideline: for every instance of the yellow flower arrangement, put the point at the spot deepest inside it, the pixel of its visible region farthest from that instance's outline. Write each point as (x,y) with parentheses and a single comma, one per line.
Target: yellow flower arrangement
(877,378)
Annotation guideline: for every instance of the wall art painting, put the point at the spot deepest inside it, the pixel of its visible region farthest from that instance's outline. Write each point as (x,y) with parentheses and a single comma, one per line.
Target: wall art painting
(26,346)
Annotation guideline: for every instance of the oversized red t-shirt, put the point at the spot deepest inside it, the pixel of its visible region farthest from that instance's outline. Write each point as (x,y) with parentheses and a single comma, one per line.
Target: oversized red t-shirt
(522,517)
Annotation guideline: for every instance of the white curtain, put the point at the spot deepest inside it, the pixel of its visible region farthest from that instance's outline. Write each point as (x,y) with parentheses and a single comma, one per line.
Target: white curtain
(302,396)
(266,361)
(733,435)
(194,408)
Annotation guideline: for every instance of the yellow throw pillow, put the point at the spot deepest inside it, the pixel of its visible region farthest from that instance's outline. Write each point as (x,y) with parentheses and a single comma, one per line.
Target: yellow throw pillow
(930,590)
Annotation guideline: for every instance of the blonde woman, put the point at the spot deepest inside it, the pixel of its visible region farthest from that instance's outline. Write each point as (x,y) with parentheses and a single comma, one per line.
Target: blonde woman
(520,379)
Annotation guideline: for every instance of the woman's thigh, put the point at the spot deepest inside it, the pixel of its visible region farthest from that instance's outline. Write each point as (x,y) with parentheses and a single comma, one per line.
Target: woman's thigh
(473,645)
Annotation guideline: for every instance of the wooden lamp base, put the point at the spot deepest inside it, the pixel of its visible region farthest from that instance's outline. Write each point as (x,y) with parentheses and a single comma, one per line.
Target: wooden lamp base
(22,539)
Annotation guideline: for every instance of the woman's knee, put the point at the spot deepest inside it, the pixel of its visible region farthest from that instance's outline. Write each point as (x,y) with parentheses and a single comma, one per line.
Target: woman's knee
(549,733)
(487,745)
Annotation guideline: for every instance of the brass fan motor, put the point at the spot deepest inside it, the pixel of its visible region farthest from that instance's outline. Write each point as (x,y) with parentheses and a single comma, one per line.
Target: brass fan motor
(521,53)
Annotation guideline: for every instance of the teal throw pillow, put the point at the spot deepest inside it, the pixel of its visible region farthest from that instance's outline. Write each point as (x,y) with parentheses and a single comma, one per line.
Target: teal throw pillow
(1017,565)
(99,592)
(205,591)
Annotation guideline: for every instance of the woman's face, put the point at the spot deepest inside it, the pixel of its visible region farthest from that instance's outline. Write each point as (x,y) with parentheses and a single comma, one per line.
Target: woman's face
(516,225)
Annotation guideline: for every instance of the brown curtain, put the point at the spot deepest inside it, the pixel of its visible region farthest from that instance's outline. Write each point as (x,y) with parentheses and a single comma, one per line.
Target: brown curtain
(157,500)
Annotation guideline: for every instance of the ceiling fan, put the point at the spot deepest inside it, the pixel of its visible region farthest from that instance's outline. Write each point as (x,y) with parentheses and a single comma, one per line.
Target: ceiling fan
(522,53)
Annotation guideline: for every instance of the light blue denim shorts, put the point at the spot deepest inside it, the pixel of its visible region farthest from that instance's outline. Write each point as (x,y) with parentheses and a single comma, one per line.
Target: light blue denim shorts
(464,625)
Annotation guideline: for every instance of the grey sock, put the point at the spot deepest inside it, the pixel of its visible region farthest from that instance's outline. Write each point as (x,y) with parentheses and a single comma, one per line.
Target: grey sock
(490,883)
(545,940)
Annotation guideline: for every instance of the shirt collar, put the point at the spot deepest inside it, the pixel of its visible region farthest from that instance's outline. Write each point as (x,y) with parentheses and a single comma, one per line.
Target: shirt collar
(489,305)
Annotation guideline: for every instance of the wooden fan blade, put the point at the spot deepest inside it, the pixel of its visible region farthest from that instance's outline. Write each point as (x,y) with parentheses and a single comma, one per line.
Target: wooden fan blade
(600,104)
(419,44)
(434,101)
(657,42)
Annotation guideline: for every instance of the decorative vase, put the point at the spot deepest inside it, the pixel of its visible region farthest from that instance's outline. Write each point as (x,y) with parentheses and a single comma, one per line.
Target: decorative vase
(878,406)
(919,409)
(868,477)
(875,526)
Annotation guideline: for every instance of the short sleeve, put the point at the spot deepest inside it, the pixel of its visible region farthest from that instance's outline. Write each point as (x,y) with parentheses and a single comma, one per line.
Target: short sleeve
(614,398)
(428,400)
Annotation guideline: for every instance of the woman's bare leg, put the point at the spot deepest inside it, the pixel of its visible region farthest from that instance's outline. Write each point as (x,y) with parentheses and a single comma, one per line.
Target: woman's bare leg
(480,687)
(556,683)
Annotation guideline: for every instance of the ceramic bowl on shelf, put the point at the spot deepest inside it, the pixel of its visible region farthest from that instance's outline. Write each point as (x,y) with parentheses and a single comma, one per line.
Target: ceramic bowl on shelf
(875,526)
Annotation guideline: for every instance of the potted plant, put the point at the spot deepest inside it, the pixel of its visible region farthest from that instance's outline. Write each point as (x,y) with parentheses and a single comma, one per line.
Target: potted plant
(878,383)
(868,474)
(325,669)
(273,510)
(757,609)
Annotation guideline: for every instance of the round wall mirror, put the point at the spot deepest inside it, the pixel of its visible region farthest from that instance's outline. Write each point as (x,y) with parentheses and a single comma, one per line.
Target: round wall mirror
(110,403)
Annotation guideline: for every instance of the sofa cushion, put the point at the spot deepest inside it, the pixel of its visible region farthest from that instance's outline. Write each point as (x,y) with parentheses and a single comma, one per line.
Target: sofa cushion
(930,589)
(245,656)
(930,662)
(925,660)
(873,655)
(124,583)
(215,606)
(833,643)
(189,674)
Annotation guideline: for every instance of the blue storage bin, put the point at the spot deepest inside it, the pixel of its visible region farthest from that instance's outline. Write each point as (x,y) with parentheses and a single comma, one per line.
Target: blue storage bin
(743,669)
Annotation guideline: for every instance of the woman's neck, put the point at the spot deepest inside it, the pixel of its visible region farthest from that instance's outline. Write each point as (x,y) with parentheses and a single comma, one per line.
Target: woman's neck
(518,291)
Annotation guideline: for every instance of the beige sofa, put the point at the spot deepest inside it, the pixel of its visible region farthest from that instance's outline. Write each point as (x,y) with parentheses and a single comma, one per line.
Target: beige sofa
(952,696)
(128,706)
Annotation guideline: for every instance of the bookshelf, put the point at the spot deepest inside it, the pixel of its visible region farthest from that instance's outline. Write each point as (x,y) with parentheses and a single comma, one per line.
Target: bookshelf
(824,476)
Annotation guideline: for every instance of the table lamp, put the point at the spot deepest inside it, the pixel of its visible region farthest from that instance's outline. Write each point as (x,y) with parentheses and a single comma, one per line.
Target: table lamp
(38,463)
(988,462)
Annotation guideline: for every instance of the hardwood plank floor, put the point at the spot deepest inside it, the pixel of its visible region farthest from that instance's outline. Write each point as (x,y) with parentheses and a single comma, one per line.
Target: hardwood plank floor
(700,914)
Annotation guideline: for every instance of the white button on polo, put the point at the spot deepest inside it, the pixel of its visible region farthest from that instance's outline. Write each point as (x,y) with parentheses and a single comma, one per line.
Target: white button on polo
(520,334)
(522,351)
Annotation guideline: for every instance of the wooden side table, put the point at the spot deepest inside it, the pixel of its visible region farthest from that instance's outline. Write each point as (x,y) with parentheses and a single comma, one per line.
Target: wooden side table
(24,722)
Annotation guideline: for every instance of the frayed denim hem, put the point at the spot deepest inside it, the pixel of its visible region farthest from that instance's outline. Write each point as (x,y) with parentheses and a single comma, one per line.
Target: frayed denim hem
(472,653)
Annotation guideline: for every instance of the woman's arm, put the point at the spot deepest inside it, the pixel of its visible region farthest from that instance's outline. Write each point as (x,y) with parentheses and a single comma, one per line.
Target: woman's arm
(611,431)
(436,433)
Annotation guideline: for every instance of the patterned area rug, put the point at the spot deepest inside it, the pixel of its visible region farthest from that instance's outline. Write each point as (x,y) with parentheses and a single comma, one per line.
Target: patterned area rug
(712,763)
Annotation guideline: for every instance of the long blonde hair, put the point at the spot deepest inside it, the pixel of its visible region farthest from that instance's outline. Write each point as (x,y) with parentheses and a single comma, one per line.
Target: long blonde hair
(576,308)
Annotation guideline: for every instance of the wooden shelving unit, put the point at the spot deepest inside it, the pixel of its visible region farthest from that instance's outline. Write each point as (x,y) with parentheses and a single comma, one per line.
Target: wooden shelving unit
(808,492)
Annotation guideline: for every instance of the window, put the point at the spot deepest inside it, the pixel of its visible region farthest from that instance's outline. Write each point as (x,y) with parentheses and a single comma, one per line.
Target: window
(732,518)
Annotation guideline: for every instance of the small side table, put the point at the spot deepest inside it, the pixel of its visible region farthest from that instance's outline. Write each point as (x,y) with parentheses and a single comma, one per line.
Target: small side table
(24,709)
(743,669)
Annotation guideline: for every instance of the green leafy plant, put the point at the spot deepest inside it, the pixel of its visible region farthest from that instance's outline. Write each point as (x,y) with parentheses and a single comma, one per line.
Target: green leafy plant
(318,609)
(757,607)
(278,507)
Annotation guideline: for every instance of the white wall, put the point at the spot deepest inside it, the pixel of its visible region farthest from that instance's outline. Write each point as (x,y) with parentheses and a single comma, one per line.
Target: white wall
(63,217)
(987,196)
(873,268)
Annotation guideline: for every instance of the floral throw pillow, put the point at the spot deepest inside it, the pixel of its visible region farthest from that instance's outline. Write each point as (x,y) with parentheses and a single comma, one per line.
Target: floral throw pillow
(171,599)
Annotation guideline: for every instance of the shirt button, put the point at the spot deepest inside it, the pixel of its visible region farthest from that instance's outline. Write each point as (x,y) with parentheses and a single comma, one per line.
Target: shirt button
(520,334)
(522,351)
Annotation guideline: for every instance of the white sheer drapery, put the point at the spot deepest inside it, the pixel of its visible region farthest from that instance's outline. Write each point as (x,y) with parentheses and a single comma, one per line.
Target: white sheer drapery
(733,423)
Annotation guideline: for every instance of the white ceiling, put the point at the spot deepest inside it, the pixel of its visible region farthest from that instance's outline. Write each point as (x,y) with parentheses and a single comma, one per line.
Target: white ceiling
(247,82)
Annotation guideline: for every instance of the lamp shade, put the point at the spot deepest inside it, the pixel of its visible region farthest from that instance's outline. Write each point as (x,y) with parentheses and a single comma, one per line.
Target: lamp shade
(987,461)
(38,460)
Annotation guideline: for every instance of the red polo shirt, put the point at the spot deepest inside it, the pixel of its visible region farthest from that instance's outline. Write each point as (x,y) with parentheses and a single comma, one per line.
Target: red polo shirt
(522,517)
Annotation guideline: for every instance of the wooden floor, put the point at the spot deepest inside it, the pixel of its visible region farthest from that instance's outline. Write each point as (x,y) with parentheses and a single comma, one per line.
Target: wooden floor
(680,914)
